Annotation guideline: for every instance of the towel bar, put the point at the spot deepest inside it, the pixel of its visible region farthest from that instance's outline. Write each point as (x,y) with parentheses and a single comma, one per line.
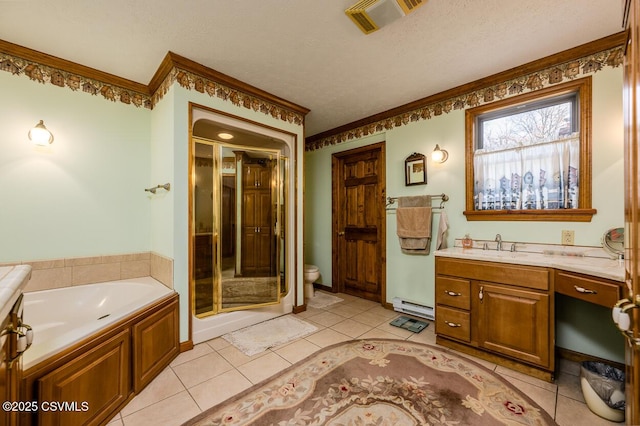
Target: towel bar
(443,198)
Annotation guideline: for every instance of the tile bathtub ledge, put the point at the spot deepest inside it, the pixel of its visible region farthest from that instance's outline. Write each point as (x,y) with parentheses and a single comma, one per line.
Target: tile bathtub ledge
(12,280)
(595,266)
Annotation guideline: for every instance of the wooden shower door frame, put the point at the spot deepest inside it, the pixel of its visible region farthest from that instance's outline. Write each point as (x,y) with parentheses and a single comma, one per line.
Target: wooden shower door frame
(337,206)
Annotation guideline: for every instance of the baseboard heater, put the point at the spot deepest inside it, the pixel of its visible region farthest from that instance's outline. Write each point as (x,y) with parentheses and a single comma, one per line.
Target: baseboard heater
(412,308)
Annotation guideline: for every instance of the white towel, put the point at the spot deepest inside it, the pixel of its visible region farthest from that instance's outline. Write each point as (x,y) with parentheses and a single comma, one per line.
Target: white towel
(443,225)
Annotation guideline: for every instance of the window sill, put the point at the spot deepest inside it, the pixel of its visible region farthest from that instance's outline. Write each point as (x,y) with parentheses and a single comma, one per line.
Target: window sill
(569,215)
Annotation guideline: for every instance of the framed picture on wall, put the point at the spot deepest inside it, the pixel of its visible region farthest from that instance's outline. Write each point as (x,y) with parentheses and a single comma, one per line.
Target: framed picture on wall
(415,169)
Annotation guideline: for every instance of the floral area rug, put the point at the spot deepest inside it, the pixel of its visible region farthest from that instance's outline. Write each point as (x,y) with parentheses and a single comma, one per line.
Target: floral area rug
(379,382)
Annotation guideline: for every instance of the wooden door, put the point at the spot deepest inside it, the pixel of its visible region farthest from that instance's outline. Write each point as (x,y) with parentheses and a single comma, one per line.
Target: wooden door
(513,322)
(358,178)
(228,217)
(632,203)
(257,235)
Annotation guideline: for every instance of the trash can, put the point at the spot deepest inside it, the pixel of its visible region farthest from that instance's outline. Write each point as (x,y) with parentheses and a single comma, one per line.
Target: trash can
(603,390)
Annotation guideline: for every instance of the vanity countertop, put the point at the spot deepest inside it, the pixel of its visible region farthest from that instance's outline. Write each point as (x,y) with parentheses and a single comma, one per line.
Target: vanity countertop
(596,265)
(12,281)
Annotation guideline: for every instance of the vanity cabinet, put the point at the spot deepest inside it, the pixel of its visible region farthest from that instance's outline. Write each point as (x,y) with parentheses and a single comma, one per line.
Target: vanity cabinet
(513,321)
(497,311)
(590,289)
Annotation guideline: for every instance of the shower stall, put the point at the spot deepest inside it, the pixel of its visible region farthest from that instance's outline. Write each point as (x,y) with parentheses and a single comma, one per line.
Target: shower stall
(242,247)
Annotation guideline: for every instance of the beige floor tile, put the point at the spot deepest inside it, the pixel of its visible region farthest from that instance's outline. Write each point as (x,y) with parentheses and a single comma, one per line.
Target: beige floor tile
(369,319)
(570,412)
(197,351)
(343,310)
(218,389)
(398,331)
(383,312)
(363,304)
(351,328)
(166,384)
(200,369)
(566,366)
(543,397)
(296,351)
(116,421)
(326,319)
(425,336)
(526,378)
(327,337)
(217,343)
(376,333)
(263,367)
(569,386)
(209,375)
(174,410)
(347,297)
(309,312)
(236,357)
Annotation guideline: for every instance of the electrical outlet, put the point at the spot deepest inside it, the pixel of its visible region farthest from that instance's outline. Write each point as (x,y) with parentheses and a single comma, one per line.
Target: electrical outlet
(567,237)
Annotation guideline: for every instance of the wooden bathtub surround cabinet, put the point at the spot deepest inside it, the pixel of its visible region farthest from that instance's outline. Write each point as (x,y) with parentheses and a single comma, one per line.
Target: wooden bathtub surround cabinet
(104,372)
(500,312)
(9,372)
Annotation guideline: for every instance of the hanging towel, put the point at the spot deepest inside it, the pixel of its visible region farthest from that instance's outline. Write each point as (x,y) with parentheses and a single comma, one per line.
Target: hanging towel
(413,218)
(443,225)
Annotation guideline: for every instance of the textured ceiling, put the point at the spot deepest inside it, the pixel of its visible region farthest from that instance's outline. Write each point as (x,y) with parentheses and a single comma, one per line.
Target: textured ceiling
(308,51)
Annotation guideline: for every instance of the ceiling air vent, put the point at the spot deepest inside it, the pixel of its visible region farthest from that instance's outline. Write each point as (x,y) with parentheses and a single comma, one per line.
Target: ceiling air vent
(371,15)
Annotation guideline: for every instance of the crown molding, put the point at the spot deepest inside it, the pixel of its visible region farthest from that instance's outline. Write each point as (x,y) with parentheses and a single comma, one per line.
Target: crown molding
(69,67)
(468,93)
(45,68)
(174,61)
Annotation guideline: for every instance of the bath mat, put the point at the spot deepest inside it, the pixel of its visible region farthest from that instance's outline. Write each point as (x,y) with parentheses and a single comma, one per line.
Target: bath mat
(410,324)
(260,337)
(322,300)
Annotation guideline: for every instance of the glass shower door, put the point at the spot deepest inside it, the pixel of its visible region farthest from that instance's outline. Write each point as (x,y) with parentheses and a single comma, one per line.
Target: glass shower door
(237,245)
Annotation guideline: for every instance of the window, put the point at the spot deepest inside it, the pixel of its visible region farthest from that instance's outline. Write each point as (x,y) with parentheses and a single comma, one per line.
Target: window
(529,157)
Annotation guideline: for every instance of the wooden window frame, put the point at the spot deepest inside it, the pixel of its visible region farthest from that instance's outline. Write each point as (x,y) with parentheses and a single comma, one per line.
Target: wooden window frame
(584,212)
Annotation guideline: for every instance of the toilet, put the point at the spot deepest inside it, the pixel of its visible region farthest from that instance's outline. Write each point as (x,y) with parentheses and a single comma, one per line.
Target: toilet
(311,274)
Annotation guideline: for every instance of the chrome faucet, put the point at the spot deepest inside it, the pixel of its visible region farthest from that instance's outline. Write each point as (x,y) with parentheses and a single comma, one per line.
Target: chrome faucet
(499,241)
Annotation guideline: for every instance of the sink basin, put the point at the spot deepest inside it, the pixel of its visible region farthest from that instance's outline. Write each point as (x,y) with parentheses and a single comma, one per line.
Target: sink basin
(502,254)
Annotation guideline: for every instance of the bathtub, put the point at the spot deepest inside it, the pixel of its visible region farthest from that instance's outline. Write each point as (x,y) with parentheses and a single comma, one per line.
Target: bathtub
(62,317)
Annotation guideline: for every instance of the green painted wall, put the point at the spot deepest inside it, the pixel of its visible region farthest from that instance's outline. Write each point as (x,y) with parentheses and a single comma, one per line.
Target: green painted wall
(170,162)
(412,277)
(81,196)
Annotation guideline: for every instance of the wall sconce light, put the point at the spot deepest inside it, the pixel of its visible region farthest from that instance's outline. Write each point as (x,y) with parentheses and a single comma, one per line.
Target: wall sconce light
(439,155)
(40,135)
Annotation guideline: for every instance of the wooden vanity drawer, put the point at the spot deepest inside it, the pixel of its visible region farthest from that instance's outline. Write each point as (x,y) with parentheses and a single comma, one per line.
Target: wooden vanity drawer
(591,289)
(519,275)
(453,323)
(453,292)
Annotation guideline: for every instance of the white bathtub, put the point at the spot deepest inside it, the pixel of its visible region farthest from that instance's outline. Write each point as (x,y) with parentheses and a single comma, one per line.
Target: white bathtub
(62,317)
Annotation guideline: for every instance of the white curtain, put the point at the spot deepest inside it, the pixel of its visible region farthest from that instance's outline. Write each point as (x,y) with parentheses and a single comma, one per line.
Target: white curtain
(543,176)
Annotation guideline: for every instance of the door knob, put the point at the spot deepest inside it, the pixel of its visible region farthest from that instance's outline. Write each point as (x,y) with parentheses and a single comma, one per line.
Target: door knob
(341,233)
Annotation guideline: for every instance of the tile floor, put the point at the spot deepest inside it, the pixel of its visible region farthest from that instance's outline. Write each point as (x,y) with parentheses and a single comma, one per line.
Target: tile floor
(215,370)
